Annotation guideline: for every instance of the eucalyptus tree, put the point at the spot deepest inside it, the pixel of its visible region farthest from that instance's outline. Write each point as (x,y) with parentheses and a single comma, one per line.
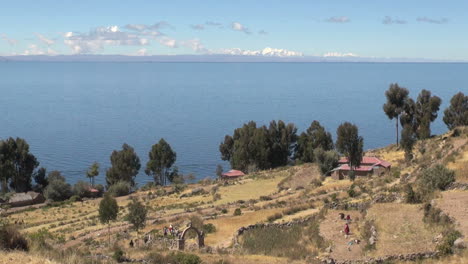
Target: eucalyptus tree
(161,159)
(313,138)
(93,172)
(457,113)
(350,144)
(125,166)
(396,100)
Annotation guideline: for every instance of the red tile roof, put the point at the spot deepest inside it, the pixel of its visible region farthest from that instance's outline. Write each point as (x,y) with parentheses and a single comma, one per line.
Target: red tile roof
(233,173)
(360,168)
(369,161)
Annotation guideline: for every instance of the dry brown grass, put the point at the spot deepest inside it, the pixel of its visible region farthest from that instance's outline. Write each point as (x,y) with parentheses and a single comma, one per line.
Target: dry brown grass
(23,257)
(227,226)
(248,189)
(401,229)
(455,204)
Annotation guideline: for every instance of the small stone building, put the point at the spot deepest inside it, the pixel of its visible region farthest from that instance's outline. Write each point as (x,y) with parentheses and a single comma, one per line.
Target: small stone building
(24,199)
(369,166)
(232,174)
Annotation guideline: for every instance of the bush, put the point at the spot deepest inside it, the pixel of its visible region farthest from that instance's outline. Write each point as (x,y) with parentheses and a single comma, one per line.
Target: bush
(57,189)
(118,255)
(100,188)
(209,228)
(326,160)
(175,258)
(120,188)
(11,239)
(445,248)
(224,211)
(411,196)
(434,215)
(237,212)
(352,192)
(82,189)
(436,178)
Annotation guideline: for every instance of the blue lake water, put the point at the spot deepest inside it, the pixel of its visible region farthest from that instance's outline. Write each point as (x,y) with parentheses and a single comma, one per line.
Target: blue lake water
(73,114)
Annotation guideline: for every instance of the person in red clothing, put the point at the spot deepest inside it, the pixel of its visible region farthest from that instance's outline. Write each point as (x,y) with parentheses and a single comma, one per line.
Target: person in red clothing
(346,230)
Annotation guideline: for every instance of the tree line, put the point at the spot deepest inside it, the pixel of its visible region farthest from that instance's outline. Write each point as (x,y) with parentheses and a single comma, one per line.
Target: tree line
(250,148)
(415,117)
(253,147)
(19,167)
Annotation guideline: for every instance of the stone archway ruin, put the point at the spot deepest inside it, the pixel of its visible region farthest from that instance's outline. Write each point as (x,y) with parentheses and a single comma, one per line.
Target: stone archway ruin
(200,235)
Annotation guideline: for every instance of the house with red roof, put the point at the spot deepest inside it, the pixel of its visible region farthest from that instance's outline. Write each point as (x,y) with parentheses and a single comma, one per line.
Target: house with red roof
(232,174)
(369,166)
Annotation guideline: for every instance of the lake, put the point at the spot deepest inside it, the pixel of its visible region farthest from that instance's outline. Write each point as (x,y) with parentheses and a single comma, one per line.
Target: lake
(73,114)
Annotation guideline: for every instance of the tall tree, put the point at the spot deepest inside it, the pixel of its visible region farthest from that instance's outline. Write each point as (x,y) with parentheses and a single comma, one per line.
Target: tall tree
(350,144)
(108,210)
(314,137)
(161,159)
(457,113)
(125,166)
(93,172)
(426,109)
(396,99)
(17,164)
(282,139)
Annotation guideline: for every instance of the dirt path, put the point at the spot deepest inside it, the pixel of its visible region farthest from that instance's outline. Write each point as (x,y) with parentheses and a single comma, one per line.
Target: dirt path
(330,229)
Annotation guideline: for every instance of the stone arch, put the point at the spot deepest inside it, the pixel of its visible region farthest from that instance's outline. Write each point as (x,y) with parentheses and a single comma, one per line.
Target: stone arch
(200,235)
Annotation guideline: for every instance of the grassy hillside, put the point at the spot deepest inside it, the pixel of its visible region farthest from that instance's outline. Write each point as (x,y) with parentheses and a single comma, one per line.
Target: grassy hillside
(71,232)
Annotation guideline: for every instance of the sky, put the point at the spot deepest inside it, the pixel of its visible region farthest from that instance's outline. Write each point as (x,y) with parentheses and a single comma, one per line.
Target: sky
(431,29)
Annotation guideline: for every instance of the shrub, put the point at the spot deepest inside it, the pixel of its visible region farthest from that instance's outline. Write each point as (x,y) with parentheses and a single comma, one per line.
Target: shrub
(265,198)
(411,196)
(209,228)
(434,215)
(118,255)
(224,211)
(57,189)
(82,189)
(11,239)
(352,192)
(436,178)
(174,257)
(120,188)
(237,212)
(100,189)
(326,160)
(445,247)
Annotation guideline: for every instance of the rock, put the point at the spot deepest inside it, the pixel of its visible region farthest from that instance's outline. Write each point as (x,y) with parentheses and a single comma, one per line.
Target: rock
(372,240)
(329,249)
(459,243)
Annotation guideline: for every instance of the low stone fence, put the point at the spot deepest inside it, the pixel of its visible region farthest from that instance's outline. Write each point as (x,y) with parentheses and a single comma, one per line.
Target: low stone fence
(458,186)
(376,260)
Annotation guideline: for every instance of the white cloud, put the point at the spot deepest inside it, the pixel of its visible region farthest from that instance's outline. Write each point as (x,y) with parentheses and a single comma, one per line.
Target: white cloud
(44,39)
(11,42)
(142,52)
(388,21)
(432,20)
(100,37)
(338,54)
(195,45)
(338,19)
(239,27)
(268,52)
(168,42)
(33,49)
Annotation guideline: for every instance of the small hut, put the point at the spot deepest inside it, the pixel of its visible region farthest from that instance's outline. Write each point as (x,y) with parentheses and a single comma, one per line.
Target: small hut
(232,174)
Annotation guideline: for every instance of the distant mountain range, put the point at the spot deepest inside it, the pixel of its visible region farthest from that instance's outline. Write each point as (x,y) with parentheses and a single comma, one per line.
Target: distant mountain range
(205,58)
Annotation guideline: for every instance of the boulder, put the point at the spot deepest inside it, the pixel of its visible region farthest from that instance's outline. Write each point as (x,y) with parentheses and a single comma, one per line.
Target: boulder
(459,243)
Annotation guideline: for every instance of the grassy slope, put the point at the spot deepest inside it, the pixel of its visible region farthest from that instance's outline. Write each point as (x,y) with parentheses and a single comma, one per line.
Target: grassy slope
(399,225)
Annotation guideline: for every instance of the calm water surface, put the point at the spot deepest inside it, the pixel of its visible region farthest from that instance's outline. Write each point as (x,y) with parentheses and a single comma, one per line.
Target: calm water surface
(73,114)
